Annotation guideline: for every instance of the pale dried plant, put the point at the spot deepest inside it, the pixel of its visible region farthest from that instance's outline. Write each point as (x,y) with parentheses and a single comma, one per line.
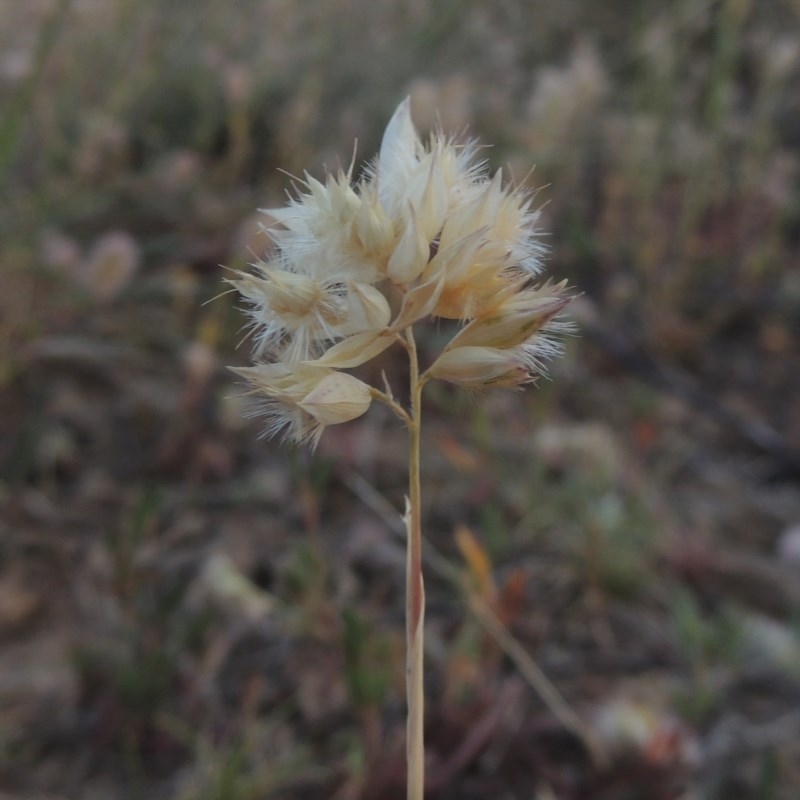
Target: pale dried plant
(356,266)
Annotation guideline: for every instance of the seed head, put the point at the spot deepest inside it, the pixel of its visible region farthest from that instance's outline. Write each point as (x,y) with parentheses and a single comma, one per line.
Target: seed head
(426,232)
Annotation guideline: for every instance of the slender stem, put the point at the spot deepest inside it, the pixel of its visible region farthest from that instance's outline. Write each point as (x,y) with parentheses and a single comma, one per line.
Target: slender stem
(527,667)
(12,124)
(415,591)
(531,671)
(388,400)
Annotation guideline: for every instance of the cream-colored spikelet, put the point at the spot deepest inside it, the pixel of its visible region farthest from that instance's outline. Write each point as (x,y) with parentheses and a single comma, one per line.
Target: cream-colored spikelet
(299,401)
(426,232)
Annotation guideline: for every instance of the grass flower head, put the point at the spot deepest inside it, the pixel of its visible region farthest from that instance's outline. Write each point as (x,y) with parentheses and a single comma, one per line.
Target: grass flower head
(426,223)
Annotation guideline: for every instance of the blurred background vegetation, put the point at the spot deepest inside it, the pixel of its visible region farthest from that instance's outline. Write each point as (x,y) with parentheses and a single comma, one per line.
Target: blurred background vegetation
(187,612)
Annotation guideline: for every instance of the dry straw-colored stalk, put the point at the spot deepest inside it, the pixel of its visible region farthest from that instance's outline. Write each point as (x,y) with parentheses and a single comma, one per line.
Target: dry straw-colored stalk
(355,268)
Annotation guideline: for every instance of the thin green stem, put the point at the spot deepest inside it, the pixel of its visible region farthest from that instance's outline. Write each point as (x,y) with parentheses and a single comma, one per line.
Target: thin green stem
(11,126)
(415,590)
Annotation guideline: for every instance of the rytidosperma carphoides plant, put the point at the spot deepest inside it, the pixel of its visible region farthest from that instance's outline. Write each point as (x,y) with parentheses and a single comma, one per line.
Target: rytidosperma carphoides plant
(355,267)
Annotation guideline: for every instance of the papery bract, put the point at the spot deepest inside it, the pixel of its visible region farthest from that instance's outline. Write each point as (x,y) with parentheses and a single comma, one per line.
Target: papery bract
(337,398)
